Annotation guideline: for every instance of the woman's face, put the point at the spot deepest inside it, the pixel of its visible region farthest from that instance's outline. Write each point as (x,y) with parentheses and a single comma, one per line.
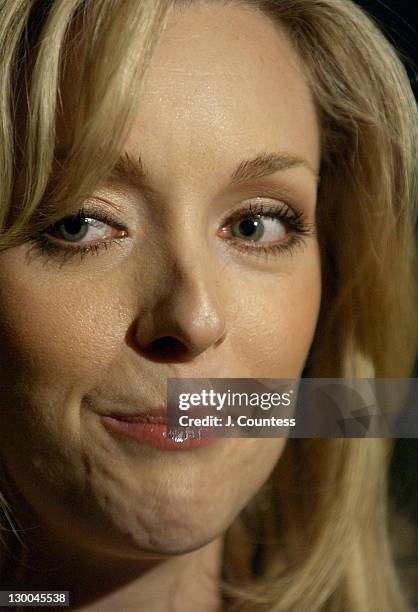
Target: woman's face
(186,292)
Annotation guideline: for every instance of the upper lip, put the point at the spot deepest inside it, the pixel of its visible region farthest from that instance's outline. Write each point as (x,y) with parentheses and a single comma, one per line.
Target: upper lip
(152,414)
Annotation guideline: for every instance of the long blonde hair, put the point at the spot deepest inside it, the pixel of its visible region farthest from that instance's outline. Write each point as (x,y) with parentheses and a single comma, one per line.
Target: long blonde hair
(315,536)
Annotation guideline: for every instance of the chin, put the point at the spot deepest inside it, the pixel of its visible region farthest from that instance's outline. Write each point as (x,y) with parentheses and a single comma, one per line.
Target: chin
(169,540)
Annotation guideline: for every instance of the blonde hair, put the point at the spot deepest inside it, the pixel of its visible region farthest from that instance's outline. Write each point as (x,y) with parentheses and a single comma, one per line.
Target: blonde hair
(318,528)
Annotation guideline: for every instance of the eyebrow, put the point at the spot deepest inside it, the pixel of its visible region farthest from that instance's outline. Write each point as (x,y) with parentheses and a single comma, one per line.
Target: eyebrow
(131,169)
(266,164)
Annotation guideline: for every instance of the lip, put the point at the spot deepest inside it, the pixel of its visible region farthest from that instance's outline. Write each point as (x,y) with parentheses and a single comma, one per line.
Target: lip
(151,427)
(151,414)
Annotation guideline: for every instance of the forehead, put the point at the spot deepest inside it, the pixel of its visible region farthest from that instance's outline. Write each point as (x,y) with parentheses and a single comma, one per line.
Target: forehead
(224,77)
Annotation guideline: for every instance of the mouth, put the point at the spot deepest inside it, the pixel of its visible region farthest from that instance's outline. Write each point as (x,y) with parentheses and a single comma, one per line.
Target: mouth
(149,415)
(151,427)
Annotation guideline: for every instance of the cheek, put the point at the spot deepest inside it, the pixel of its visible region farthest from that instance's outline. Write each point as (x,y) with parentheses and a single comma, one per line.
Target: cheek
(275,334)
(59,327)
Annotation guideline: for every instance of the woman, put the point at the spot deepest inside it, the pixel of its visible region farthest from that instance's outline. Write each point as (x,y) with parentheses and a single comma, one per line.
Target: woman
(249,168)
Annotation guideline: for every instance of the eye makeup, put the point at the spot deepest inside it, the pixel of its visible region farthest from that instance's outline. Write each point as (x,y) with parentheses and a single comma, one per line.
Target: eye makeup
(295,222)
(258,212)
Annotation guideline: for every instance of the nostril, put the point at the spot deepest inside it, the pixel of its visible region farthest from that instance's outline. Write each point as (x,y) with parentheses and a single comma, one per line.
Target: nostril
(168,346)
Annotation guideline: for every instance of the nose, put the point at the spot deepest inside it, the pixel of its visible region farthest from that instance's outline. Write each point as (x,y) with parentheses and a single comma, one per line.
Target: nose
(185,319)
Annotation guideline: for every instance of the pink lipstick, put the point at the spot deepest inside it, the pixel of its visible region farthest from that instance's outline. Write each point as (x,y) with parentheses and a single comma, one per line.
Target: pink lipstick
(151,428)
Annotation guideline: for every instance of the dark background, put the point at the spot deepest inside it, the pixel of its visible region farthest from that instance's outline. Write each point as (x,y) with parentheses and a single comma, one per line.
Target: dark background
(398,21)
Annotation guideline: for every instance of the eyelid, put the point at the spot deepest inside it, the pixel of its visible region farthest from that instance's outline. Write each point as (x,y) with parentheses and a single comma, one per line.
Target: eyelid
(86,212)
(90,209)
(64,249)
(274,208)
(291,196)
(284,210)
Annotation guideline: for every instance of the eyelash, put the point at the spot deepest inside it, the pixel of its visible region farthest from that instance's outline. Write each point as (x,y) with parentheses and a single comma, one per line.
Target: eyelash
(295,221)
(44,245)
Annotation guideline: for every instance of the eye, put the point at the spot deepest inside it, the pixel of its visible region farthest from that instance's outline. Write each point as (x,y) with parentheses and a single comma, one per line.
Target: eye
(78,235)
(259,229)
(80,228)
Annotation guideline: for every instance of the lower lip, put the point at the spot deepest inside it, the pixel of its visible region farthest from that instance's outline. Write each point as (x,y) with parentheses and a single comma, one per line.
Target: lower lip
(155,434)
